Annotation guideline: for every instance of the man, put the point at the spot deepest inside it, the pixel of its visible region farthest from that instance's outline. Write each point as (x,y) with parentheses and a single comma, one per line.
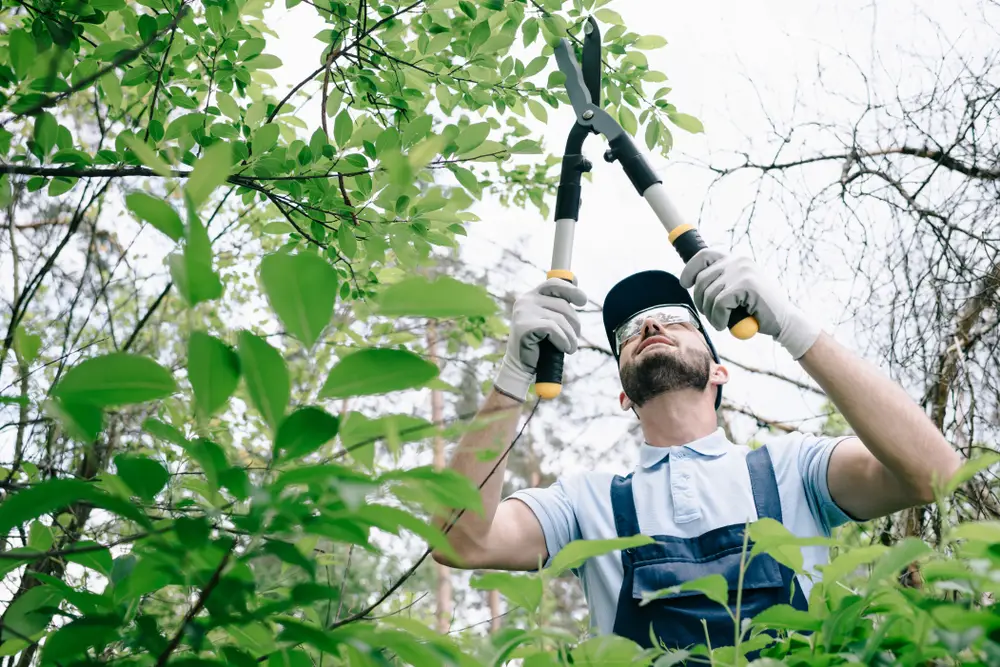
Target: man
(693,490)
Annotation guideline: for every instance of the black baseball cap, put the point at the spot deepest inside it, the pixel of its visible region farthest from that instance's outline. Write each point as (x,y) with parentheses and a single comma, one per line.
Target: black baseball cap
(644,290)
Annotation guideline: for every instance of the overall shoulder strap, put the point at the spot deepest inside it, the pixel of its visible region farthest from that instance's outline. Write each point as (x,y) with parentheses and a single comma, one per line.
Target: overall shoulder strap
(764,484)
(623,506)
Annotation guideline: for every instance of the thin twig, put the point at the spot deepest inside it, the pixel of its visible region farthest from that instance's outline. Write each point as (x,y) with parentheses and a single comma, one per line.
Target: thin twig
(198,606)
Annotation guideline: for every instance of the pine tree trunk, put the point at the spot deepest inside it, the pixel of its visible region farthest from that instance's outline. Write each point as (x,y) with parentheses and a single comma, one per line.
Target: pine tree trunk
(445,601)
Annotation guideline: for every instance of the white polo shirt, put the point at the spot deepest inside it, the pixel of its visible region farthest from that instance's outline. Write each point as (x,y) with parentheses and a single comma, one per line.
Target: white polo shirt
(686,491)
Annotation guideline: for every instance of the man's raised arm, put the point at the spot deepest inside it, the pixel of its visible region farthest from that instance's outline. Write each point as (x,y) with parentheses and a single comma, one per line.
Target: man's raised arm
(899,453)
(508,536)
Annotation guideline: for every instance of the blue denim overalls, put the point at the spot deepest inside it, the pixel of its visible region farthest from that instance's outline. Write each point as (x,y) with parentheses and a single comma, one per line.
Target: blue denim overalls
(677,620)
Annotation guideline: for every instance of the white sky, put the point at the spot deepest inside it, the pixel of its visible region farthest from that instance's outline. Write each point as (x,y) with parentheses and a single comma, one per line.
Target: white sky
(726,61)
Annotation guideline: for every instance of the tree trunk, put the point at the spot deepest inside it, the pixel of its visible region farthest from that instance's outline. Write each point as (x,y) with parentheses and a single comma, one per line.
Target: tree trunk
(445,600)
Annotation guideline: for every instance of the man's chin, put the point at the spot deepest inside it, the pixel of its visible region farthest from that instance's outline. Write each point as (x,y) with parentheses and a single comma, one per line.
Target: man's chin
(656,348)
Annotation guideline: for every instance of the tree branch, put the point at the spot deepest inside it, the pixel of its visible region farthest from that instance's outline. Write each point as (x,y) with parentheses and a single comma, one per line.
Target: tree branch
(198,606)
(122,58)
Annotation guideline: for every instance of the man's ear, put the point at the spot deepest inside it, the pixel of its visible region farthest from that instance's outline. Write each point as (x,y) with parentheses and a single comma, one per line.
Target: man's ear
(719,374)
(625,401)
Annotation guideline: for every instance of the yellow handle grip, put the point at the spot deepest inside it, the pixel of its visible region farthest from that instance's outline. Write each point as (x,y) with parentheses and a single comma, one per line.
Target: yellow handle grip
(687,241)
(548,374)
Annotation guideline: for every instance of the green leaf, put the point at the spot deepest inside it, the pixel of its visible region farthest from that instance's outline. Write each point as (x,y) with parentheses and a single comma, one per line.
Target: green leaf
(30,613)
(53,494)
(686,122)
(523,590)
(301,289)
(787,617)
(535,66)
(81,420)
(346,240)
(213,370)
(277,228)
(472,136)
(75,638)
(479,35)
(209,456)
(529,31)
(538,111)
(343,126)
(147,155)
(192,532)
(40,536)
(118,378)
(304,431)
(970,469)
(976,531)
(156,212)
(714,587)
(266,377)
(902,554)
(848,561)
(263,61)
(290,554)
(209,172)
(650,42)
(577,552)
(357,429)
(46,127)
(264,139)
(251,48)
(444,297)
(773,538)
(227,105)
(417,129)
(607,651)
(143,475)
(98,559)
(112,90)
(26,345)
(627,119)
(608,16)
(196,280)
(377,371)
(468,8)
(652,133)
(22,51)
(392,519)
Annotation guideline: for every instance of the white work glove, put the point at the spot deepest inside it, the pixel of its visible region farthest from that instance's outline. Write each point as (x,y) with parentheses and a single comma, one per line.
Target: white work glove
(722,282)
(543,311)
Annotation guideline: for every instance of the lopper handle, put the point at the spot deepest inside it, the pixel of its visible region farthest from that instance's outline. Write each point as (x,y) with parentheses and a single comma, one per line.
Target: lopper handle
(687,242)
(549,372)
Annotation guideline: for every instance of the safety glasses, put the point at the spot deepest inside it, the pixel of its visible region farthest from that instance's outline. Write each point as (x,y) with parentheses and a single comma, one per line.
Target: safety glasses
(665,315)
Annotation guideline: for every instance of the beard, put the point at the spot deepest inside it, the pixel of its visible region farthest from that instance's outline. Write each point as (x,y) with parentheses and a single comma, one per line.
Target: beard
(650,375)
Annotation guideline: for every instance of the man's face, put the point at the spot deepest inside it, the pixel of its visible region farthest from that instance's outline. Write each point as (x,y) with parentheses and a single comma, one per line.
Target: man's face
(663,357)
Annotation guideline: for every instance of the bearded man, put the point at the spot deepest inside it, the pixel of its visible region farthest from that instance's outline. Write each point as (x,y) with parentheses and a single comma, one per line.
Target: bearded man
(692,490)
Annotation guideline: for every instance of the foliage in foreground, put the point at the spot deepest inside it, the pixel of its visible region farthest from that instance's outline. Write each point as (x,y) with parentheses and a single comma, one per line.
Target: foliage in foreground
(214,490)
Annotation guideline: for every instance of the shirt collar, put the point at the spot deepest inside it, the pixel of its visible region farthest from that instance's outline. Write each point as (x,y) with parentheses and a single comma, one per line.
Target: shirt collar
(713,444)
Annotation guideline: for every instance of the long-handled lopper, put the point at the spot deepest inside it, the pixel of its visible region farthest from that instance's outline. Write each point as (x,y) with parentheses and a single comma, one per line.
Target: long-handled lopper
(584,90)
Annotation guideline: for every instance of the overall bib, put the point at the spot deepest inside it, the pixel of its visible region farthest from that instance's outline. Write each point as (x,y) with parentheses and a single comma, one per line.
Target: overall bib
(676,620)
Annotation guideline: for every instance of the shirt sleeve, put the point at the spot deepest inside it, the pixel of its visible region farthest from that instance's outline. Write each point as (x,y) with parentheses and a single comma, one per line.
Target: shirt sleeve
(814,465)
(556,513)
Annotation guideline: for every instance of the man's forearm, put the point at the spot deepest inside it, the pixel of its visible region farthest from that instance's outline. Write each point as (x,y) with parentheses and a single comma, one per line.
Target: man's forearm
(502,412)
(889,423)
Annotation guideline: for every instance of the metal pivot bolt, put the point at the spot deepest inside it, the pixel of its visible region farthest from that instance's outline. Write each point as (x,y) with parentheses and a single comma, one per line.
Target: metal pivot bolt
(588,114)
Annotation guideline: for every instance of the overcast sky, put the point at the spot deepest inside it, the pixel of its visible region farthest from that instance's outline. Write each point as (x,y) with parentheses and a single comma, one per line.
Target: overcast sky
(739,67)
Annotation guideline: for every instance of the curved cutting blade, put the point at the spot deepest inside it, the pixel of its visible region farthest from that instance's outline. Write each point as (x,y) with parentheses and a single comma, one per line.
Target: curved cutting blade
(576,88)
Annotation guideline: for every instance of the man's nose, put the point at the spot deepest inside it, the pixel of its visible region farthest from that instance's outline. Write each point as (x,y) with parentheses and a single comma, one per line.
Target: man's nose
(651,327)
